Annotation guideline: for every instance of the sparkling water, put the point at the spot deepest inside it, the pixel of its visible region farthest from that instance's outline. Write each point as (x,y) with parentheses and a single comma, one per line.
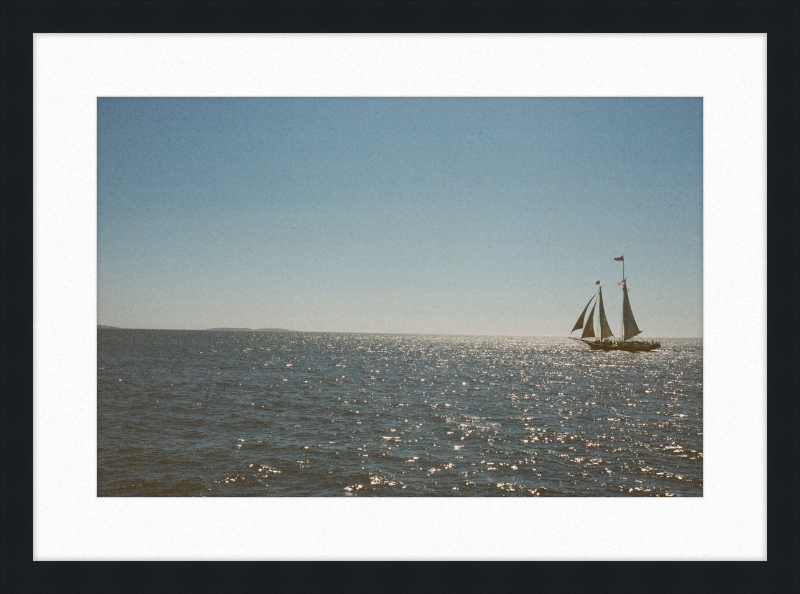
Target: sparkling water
(241,413)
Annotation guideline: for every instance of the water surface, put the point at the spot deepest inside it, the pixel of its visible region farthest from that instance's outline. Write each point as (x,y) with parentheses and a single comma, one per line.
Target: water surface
(202,413)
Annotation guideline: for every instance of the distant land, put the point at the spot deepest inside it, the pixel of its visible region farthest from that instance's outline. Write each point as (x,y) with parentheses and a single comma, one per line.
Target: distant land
(102,327)
(248,330)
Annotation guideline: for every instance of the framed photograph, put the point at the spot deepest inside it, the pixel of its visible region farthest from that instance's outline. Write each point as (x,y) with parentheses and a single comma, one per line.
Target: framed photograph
(292,282)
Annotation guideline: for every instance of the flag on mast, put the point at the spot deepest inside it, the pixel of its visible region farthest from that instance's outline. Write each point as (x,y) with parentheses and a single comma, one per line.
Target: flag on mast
(620,282)
(597,283)
(620,259)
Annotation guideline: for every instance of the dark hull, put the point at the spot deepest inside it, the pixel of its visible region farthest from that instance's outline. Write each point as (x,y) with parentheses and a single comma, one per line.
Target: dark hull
(629,346)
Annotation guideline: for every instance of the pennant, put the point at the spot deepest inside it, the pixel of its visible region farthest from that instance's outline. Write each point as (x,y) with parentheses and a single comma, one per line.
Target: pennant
(620,259)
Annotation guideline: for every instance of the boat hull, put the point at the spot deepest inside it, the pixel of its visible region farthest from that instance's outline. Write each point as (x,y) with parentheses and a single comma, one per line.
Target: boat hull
(626,345)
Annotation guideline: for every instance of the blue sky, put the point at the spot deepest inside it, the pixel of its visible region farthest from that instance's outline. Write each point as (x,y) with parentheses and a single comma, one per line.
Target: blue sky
(413,215)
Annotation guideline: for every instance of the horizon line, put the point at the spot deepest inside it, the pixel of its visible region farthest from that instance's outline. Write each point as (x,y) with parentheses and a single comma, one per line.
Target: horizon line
(287,331)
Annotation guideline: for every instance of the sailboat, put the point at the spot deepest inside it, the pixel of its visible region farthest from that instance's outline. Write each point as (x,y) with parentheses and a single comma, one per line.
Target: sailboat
(607,341)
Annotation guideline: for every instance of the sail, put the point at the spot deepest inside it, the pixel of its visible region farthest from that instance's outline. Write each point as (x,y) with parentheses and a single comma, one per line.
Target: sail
(605,330)
(579,323)
(588,330)
(629,327)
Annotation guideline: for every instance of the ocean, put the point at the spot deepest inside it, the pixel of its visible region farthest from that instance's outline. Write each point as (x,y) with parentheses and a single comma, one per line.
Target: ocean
(245,413)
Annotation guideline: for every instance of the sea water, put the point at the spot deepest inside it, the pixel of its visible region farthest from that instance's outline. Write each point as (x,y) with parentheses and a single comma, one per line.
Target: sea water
(240,413)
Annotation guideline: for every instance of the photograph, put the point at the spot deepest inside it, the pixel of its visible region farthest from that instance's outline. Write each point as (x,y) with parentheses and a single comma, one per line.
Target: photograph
(445,284)
(400,296)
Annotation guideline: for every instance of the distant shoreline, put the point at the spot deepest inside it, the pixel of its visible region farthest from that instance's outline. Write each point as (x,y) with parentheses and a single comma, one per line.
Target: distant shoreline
(104,327)
(284,330)
(248,330)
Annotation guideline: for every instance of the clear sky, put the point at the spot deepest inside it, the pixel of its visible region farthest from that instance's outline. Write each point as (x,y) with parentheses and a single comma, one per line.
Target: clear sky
(412,215)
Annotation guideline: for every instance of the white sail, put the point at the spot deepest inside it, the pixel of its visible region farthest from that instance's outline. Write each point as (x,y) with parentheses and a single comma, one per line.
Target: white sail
(588,330)
(629,327)
(579,323)
(605,330)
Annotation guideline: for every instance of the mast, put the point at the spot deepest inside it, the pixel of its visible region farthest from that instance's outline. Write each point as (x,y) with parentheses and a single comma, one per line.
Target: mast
(624,297)
(622,322)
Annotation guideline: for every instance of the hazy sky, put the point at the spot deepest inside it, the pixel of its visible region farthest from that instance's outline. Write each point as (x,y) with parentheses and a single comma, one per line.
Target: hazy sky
(451,216)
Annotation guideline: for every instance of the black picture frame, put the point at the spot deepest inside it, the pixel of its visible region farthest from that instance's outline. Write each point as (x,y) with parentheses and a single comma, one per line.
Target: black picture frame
(18,573)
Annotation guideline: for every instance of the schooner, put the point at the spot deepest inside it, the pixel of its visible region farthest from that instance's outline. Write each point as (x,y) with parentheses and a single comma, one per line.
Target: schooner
(607,341)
